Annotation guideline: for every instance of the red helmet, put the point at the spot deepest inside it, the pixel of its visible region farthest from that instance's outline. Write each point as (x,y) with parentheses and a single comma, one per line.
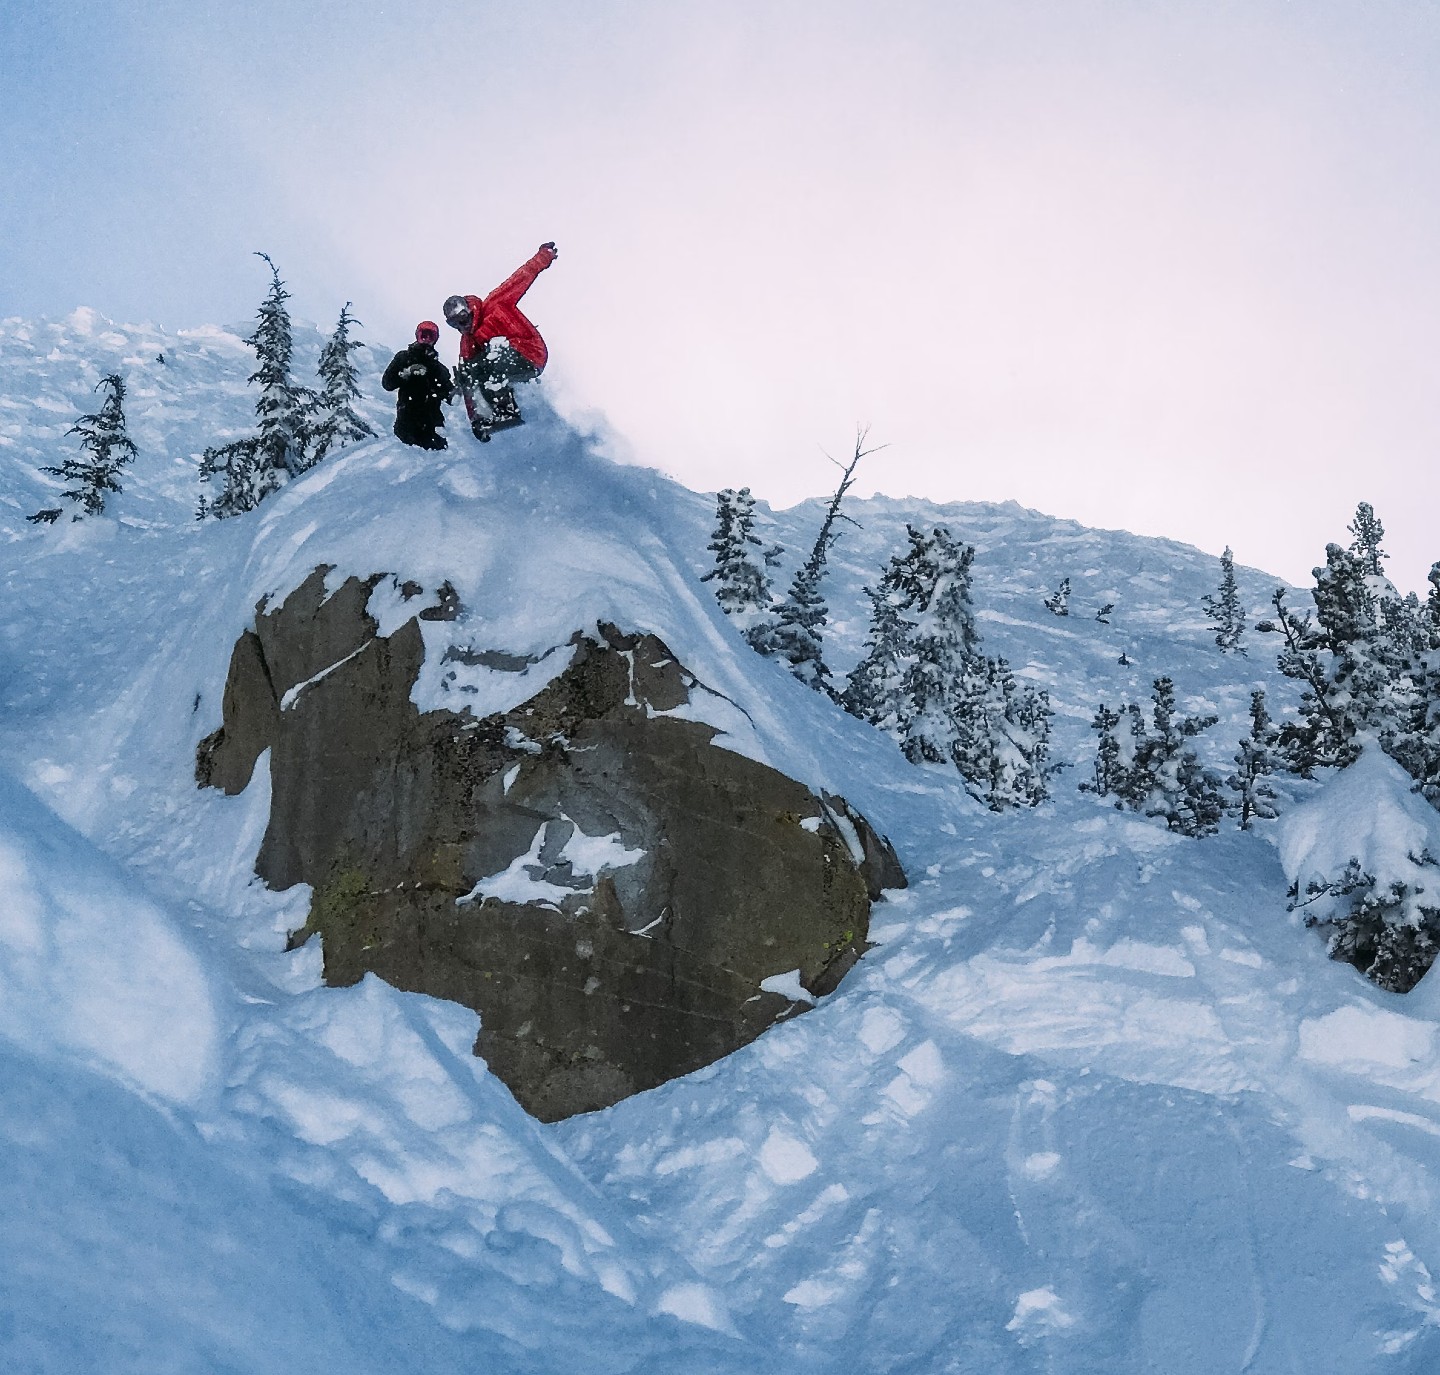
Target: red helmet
(427,332)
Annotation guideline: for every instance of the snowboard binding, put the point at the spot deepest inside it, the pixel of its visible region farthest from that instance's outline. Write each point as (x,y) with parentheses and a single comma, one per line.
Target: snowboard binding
(483,429)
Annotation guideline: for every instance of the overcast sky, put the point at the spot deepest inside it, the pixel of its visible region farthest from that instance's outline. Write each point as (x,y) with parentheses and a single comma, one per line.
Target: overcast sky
(1164,266)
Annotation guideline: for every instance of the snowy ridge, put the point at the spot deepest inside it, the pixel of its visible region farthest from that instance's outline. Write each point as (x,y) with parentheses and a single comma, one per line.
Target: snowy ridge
(1096,1101)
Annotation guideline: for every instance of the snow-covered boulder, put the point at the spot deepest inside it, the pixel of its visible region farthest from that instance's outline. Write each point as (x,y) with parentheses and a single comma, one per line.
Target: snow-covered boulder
(563,848)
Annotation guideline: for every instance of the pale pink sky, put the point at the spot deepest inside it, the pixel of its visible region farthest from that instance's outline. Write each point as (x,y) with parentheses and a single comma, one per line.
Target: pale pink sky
(1166,267)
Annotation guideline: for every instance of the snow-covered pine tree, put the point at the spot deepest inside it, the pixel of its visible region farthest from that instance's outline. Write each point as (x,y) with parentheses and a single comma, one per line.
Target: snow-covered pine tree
(1004,747)
(1226,613)
(1367,535)
(1358,662)
(247,480)
(1389,932)
(1181,790)
(943,646)
(1419,748)
(282,405)
(1151,767)
(105,449)
(253,467)
(1103,614)
(1254,763)
(796,635)
(724,545)
(873,687)
(1058,601)
(1374,888)
(1432,605)
(1132,782)
(333,421)
(1106,778)
(924,680)
(1032,715)
(1318,735)
(742,586)
(1371,707)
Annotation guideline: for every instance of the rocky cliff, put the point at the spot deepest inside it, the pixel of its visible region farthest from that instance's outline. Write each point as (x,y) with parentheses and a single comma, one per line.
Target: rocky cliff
(621,899)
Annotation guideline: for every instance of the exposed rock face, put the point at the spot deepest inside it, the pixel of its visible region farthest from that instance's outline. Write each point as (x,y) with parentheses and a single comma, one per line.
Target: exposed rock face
(602,884)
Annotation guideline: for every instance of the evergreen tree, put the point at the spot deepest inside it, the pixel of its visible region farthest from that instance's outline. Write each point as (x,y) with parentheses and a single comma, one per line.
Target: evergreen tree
(1059,600)
(1150,767)
(282,405)
(1180,790)
(1107,778)
(924,679)
(1367,533)
(1432,606)
(742,586)
(1004,746)
(1254,763)
(1318,736)
(943,644)
(247,479)
(1359,662)
(253,467)
(797,633)
(873,687)
(1389,932)
(1418,749)
(1103,615)
(105,449)
(333,421)
(1226,613)
(1132,782)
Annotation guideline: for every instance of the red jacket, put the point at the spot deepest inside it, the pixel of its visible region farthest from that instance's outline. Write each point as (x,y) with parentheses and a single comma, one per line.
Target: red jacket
(498,315)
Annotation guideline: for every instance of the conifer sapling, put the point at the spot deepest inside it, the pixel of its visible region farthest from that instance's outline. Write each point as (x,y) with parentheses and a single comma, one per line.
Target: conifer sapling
(106,448)
(253,467)
(1227,614)
(924,680)
(742,587)
(333,422)
(1254,763)
(1150,767)
(796,634)
(1367,534)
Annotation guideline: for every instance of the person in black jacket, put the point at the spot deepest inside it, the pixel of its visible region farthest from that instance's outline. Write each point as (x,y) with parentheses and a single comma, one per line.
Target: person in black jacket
(423,382)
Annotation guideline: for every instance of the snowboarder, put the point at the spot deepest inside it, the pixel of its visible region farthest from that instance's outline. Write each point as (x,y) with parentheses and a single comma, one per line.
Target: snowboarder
(423,382)
(499,347)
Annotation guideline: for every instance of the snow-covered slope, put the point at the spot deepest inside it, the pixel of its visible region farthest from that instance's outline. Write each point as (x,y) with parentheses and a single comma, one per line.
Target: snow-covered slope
(1095,1102)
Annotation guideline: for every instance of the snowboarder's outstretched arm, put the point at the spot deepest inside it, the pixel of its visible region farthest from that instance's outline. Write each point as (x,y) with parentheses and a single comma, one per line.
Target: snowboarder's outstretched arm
(518,282)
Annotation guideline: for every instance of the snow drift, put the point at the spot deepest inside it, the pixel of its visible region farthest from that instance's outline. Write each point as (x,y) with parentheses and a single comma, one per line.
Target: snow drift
(1095,1101)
